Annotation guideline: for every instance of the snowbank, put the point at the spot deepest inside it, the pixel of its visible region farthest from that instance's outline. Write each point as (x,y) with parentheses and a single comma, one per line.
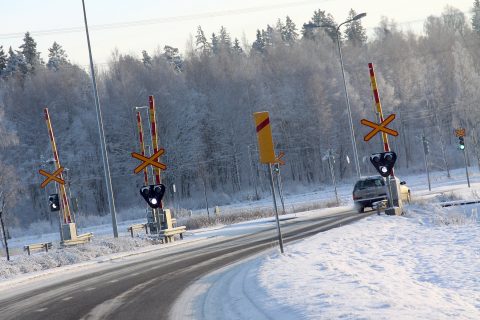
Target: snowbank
(420,266)
(21,264)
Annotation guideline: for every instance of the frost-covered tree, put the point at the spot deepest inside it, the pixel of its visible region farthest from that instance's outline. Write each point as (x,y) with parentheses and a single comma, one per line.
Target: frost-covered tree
(215,44)
(290,33)
(225,42)
(259,43)
(355,33)
(3,60)
(201,42)
(236,47)
(30,53)
(173,57)
(15,64)
(321,18)
(146,59)
(476,16)
(57,57)
(454,19)
(280,27)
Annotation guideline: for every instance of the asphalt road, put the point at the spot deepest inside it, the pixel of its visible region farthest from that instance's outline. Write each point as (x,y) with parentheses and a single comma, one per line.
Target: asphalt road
(147,286)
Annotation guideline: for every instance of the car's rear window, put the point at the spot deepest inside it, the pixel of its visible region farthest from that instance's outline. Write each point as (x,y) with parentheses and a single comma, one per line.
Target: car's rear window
(369,183)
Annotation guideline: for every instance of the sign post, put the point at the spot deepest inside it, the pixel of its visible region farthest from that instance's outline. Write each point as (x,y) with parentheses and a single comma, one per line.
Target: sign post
(276,169)
(331,158)
(2,206)
(426,151)
(460,133)
(267,156)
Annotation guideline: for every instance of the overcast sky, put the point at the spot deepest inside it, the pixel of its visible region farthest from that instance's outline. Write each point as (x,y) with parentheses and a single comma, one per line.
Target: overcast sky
(133,26)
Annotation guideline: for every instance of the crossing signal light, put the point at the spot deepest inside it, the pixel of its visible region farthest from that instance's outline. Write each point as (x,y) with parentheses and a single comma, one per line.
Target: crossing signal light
(461,143)
(384,162)
(276,168)
(54,202)
(153,194)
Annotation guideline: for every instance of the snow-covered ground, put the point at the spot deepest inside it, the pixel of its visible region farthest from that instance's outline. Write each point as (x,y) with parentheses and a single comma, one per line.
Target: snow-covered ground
(423,265)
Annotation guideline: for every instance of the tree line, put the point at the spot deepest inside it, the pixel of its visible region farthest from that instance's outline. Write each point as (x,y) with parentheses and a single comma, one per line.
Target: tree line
(206,96)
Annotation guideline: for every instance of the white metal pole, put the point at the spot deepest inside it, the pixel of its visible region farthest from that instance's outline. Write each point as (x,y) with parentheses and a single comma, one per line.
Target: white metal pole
(352,132)
(103,147)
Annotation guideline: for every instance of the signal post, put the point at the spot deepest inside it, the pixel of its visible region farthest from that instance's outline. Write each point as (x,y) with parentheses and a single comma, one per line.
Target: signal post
(68,228)
(60,202)
(460,133)
(385,161)
(161,219)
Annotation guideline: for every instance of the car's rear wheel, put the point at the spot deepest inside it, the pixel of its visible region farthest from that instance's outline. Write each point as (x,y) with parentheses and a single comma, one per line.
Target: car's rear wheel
(360,209)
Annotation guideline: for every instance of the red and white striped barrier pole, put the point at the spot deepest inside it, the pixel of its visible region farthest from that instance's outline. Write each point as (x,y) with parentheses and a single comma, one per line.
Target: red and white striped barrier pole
(142,145)
(153,128)
(378,105)
(67,218)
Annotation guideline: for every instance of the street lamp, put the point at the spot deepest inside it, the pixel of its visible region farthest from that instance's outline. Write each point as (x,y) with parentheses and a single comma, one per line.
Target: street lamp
(352,132)
(103,147)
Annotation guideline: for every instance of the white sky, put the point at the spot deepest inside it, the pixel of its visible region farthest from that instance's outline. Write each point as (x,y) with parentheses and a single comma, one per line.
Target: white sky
(175,21)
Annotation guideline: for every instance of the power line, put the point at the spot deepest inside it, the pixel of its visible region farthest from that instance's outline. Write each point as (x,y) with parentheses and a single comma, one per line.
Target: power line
(136,23)
(143,22)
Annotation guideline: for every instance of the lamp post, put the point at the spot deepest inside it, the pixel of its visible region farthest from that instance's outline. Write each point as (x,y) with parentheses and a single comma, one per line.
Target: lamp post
(347,99)
(103,147)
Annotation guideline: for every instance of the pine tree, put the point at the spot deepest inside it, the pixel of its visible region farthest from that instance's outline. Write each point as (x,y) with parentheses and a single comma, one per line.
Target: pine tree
(173,57)
(267,40)
(201,41)
(476,16)
(57,57)
(320,18)
(215,44)
(268,36)
(236,47)
(290,31)
(3,60)
(146,59)
(225,42)
(259,44)
(15,64)
(280,28)
(29,52)
(355,32)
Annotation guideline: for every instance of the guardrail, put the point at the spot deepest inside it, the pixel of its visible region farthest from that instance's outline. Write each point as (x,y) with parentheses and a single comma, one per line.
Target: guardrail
(136,227)
(37,246)
(169,234)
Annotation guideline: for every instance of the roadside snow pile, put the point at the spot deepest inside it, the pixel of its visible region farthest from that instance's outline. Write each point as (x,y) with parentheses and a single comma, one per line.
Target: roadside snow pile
(420,266)
(67,256)
(450,216)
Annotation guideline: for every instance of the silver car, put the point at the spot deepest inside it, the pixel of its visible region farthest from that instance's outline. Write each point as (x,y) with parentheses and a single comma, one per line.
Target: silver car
(371,189)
